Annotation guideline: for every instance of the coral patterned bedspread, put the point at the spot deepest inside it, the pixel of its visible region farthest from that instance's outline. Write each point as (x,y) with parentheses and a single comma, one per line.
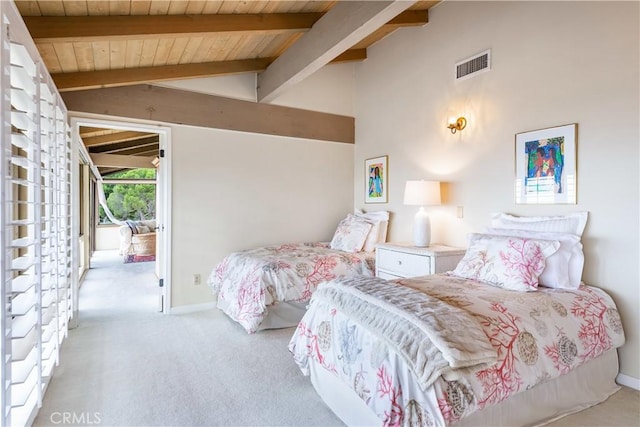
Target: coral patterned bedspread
(246,283)
(536,335)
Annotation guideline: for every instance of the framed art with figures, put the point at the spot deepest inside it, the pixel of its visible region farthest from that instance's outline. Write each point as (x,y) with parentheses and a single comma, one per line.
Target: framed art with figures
(546,166)
(376,180)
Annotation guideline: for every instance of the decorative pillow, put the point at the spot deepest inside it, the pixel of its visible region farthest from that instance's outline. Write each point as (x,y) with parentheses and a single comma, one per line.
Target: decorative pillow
(563,269)
(378,233)
(143,229)
(572,223)
(505,261)
(350,234)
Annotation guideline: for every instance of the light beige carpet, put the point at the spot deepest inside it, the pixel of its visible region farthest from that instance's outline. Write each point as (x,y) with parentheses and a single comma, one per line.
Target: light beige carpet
(128,365)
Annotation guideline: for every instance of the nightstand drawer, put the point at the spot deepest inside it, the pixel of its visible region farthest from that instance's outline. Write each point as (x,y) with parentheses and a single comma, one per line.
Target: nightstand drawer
(388,276)
(404,264)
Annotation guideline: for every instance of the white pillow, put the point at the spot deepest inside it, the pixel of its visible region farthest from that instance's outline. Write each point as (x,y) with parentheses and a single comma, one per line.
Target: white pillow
(378,233)
(563,269)
(572,223)
(142,229)
(507,262)
(350,234)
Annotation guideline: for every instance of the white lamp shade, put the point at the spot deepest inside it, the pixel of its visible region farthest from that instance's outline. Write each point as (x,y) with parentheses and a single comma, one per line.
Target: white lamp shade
(422,193)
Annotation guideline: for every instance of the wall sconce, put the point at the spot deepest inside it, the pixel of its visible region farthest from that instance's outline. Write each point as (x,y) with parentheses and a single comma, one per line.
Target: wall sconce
(457,125)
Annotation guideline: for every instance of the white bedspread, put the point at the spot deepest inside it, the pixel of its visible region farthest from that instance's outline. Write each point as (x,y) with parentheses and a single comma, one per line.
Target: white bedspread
(434,339)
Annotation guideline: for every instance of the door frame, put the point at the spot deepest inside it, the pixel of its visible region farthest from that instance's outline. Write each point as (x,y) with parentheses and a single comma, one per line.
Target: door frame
(163,194)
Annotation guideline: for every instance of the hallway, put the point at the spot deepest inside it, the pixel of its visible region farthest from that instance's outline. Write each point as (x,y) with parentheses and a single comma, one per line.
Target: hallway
(114,291)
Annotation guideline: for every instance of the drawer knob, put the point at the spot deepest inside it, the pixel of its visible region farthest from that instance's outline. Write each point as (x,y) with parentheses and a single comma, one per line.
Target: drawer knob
(399,262)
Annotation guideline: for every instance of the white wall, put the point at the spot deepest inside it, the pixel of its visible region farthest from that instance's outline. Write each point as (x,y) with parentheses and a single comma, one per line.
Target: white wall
(554,63)
(234,191)
(107,237)
(236,86)
(329,90)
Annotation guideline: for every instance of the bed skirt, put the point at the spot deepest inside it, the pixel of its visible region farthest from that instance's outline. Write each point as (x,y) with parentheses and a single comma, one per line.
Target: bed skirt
(279,315)
(585,386)
(284,314)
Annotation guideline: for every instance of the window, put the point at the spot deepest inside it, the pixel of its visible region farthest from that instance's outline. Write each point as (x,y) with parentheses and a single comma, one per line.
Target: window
(130,200)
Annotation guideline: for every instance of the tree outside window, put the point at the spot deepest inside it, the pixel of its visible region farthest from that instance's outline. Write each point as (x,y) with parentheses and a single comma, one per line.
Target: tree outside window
(130,201)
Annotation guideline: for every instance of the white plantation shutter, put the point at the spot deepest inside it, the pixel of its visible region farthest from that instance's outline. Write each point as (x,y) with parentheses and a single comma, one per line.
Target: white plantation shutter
(35,219)
(23,227)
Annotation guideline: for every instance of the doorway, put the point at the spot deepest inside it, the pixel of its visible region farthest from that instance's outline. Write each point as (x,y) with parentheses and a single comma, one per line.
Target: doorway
(130,156)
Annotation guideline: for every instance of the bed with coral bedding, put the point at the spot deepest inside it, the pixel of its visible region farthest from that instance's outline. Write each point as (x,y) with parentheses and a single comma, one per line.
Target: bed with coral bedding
(444,350)
(269,287)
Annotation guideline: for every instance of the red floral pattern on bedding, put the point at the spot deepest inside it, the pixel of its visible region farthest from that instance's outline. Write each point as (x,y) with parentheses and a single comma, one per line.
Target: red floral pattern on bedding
(386,389)
(537,336)
(502,379)
(246,283)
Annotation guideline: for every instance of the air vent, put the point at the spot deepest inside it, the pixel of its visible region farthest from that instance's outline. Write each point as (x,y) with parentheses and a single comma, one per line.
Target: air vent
(473,66)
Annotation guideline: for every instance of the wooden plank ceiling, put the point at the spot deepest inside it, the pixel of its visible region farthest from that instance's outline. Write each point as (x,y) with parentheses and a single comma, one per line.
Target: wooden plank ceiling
(87,44)
(114,142)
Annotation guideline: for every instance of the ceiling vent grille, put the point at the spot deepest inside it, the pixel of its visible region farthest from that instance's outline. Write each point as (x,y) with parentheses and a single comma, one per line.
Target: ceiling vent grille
(473,66)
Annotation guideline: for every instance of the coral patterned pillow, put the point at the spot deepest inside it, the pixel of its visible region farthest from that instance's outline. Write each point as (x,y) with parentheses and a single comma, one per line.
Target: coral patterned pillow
(506,261)
(350,234)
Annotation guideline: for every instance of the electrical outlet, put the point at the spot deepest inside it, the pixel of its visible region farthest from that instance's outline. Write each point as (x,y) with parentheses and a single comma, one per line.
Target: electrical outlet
(197,279)
(459,212)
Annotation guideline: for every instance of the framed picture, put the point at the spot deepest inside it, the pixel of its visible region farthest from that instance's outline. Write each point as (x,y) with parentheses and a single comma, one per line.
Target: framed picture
(546,166)
(376,180)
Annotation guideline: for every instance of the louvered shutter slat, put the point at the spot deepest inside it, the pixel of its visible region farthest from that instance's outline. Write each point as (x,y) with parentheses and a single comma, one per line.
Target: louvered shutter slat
(21,391)
(23,325)
(20,348)
(22,121)
(22,368)
(20,99)
(23,302)
(22,283)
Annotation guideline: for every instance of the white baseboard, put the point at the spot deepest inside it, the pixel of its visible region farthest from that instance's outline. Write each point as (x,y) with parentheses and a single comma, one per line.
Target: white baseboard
(192,308)
(628,381)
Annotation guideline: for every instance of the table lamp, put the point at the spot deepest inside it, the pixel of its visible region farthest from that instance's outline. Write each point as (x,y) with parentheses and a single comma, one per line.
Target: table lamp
(422,193)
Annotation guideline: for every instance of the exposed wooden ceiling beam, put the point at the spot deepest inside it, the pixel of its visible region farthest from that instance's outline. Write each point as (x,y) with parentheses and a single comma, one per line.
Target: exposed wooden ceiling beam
(145,151)
(339,29)
(351,55)
(107,171)
(114,160)
(130,76)
(115,137)
(126,145)
(90,131)
(197,109)
(54,29)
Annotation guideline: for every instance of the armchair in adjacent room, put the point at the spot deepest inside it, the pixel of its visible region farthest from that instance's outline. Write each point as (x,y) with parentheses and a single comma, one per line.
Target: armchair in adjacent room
(138,238)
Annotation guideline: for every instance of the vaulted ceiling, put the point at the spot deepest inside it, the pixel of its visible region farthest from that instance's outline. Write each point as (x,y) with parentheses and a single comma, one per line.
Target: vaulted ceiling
(87,44)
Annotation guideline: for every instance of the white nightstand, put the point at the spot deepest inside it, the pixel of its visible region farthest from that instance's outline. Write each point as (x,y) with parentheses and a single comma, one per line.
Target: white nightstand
(396,260)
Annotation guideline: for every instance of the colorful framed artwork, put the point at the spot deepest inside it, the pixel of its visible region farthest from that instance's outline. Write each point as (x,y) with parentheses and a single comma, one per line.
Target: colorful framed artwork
(546,166)
(376,180)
